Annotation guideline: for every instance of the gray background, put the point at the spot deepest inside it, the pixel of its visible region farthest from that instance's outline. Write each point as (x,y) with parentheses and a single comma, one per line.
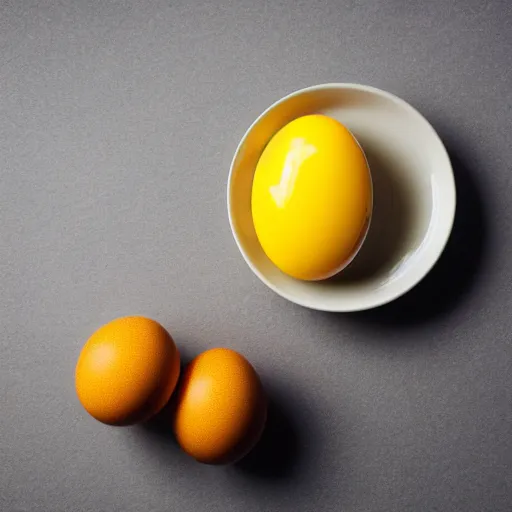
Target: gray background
(118,122)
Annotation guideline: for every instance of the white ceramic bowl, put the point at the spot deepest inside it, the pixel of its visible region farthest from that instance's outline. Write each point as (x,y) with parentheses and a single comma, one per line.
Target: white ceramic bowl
(413,190)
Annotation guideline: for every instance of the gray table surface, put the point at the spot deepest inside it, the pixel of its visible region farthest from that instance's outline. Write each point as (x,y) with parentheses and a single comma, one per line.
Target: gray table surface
(118,122)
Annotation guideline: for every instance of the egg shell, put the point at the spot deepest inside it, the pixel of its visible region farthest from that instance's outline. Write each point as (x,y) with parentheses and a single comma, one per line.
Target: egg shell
(312,198)
(127,371)
(220,408)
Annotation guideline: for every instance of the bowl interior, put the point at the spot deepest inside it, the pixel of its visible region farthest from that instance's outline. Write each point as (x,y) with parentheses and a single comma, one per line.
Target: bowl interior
(414,197)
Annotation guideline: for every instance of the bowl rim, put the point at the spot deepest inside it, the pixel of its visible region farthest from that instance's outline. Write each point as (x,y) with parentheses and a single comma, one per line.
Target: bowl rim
(447,224)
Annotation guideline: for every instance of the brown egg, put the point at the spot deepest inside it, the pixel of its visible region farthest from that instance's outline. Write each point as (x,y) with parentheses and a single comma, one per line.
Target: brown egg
(127,371)
(220,409)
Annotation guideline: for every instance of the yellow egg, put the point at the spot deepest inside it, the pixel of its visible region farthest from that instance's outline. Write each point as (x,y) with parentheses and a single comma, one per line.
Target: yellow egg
(312,198)
(127,371)
(220,407)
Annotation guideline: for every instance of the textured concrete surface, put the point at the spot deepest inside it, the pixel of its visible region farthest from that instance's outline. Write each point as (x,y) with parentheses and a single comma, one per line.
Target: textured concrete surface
(118,122)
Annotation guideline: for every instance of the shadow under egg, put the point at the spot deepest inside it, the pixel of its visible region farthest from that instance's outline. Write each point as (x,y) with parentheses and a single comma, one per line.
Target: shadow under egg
(392,224)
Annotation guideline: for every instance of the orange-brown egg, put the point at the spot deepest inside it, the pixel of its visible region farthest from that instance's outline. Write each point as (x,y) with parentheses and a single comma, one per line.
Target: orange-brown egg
(127,371)
(220,407)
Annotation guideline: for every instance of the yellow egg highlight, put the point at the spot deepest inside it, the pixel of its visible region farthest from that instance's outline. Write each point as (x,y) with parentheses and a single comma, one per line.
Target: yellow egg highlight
(312,198)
